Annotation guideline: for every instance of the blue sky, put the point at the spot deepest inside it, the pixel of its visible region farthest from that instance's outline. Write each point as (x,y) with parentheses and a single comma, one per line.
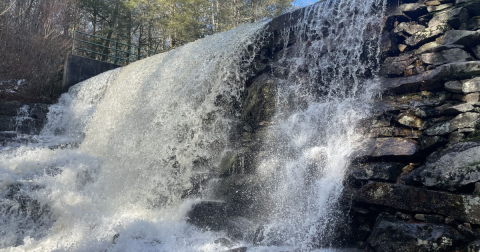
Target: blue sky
(301,3)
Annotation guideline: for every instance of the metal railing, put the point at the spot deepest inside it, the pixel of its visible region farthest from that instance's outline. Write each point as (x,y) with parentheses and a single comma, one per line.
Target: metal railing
(98,48)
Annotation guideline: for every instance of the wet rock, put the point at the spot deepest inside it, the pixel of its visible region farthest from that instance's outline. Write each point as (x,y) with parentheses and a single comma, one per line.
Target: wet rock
(415,100)
(457,109)
(452,168)
(390,234)
(409,28)
(389,147)
(452,17)
(438,7)
(431,79)
(225,242)
(413,10)
(474,24)
(471,86)
(409,120)
(376,171)
(388,44)
(232,163)
(460,37)
(454,86)
(259,105)
(408,198)
(396,65)
(394,132)
(446,56)
(208,215)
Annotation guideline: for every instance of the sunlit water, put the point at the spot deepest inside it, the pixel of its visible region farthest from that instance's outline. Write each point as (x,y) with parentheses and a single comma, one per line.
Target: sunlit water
(108,170)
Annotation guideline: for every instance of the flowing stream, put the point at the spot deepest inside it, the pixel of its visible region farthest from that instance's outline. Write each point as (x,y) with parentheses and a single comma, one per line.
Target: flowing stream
(108,170)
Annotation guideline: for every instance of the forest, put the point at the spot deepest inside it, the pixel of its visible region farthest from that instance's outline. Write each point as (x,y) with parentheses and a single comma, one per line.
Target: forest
(36,35)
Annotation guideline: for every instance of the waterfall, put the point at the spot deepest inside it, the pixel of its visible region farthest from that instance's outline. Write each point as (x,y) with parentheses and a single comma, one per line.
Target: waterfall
(111,166)
(319,107)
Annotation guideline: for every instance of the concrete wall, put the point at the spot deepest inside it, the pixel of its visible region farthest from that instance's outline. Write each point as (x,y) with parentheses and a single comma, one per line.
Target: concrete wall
(78,69)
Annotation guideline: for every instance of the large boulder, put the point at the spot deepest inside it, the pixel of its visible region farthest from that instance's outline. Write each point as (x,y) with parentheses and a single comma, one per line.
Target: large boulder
(390,234)
(451,168)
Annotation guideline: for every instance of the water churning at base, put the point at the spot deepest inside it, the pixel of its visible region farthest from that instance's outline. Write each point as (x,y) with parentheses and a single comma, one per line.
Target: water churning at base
(120,150)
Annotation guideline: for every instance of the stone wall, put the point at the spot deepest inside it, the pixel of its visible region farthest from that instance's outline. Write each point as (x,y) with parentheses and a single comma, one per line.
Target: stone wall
(416,184)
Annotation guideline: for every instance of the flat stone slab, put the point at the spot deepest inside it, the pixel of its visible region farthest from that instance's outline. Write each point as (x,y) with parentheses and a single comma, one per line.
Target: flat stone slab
(431,79)
(451,168)
(408,198)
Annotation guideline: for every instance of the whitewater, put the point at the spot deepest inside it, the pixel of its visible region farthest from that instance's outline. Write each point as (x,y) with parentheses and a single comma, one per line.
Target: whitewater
(110,169)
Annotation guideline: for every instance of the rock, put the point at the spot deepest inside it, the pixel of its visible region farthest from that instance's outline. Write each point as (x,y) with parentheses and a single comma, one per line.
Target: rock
(446,56)
(474,24)
(409,120)
(225,242)
(473,7)
(208,215)
(394,132)
(425,36)
(232,163)
(392,147)
(402,47)
(474,246)
(432,142)
(431,79)
(460,37)
(452,168)
(432,3)
(454,86)
(471,86)
(390,234)
(455,137)
(471,98)
(434,47)
(425,111)
(438,7)
(413,10)
(396,65)
(414,199)
(259,104)
(415,100)
(476,51)
(439,129)
(409,28)
(388,44)
(464,120)
(419,217)
(376,171)
(457,109)
(452,17)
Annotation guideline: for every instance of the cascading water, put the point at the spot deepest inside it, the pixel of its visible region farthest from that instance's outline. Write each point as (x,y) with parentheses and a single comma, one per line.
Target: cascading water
(320,104)
(120,149)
